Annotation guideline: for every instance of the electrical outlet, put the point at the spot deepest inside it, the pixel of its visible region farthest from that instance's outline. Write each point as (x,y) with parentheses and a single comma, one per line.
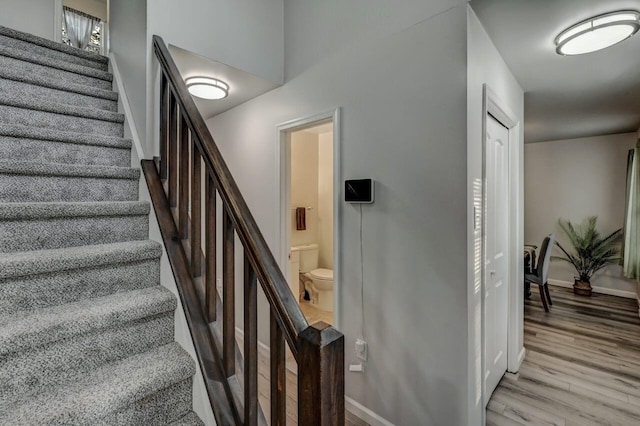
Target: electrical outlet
(356,368)
(361,349)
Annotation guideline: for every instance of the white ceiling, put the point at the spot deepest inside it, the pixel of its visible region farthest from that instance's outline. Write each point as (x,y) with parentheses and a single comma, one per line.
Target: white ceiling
(243,86)
(565,96)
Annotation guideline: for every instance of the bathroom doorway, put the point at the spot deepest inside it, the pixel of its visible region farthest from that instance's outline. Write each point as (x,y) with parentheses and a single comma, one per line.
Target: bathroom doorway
(308,216)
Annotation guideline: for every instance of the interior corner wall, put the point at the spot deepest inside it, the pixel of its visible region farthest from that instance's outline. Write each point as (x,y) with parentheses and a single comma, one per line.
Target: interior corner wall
(304,185)
(95,8)
(402,99)
(31,16)
(128,43)
(325,200)
(573,179)
(245,34)
(485,66)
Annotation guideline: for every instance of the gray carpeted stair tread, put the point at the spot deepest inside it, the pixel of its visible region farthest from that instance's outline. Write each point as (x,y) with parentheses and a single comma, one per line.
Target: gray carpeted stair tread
(24,330)
(67,170)
(39,103)
(105,391)
(190,419)
(65,77)
(42,226)
(49,62)
(63,51)
(55,83)
(26,211)
(58,121)
(48,261)
(46,151)
(27,90)
(30,371)
(38,133)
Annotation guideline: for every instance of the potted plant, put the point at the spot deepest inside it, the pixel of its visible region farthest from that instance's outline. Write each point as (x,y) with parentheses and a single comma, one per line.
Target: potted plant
(589,253)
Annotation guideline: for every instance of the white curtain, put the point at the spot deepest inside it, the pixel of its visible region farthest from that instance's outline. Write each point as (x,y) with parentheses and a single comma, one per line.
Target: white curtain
(79,27)
(631,254)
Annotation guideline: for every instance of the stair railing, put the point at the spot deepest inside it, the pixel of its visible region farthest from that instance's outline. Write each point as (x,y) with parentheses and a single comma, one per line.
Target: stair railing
(175,184)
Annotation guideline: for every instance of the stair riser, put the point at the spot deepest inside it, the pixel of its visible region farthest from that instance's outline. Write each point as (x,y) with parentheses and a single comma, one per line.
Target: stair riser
(53,233)
(28,117)
(45,290)
(34,370)
(68,76)
(53,54)
(25,188)
(161,408)
(39,151)
(27,90)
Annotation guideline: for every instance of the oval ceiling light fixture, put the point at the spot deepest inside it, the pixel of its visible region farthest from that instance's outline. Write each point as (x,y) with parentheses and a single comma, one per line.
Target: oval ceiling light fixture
(207,87)
(598,33)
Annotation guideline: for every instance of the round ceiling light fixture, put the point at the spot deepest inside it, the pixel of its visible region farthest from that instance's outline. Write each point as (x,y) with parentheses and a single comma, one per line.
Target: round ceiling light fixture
(207,87)
(598,33)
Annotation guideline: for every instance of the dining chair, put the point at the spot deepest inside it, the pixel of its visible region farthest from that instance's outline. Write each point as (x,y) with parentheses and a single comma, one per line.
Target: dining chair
(540,273)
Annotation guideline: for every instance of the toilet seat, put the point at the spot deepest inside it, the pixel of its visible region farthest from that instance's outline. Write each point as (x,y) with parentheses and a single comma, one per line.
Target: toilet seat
(322,274)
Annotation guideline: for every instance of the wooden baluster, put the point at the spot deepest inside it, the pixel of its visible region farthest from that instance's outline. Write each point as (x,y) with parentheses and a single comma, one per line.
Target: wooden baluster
(228,296)
(278,374)
(196,211)
(250,344)
(210,237)
(183,206)
(164,96)
(173,150)
(321,376)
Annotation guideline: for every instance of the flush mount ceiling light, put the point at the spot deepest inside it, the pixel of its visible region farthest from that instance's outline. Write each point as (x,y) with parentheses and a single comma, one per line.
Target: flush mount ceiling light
(207,87)
(598,33)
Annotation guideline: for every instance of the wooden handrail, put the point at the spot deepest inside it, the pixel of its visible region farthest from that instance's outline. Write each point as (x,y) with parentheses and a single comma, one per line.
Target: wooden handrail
(186,145)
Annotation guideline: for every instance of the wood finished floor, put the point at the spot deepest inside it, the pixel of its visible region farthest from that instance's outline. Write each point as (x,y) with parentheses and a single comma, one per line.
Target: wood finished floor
(582,366)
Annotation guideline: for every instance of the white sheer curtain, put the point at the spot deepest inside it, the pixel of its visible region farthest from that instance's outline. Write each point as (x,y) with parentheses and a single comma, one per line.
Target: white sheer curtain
(79,27)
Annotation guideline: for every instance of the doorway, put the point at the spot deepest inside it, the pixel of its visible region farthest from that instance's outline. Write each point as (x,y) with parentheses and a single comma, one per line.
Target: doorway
(502,273)
(308,213)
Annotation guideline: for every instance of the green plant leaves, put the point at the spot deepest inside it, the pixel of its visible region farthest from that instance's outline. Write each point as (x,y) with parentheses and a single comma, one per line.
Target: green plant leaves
(589,251)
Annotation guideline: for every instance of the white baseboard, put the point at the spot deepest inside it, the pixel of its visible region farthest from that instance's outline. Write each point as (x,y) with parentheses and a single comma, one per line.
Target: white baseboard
(365,414)
(135,135)
(521,356)
(601,290)
(351,405)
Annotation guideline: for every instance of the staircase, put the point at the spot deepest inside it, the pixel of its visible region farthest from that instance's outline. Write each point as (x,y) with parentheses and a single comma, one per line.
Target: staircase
(86,331)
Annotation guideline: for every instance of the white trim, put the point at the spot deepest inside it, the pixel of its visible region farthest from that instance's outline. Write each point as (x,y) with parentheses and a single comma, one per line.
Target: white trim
(493,105)
(127,108)
(57,21)
(351,404)
(521,356)
(602,290)
(283,157)
(364,413)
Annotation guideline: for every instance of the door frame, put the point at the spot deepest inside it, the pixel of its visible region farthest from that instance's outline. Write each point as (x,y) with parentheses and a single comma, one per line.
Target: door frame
(493,105)
(283,173)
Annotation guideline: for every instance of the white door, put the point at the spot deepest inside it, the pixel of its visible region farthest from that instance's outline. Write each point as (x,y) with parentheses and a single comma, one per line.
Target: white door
(496,291)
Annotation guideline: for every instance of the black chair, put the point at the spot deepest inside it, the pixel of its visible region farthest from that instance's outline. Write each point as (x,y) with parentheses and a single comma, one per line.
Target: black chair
(540,274)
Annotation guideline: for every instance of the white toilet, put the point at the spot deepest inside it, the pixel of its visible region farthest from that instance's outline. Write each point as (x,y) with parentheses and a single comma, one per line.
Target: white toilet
(319,282)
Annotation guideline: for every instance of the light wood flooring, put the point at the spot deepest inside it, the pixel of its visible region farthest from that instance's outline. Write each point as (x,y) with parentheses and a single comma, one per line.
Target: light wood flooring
(582,366)
(313,315)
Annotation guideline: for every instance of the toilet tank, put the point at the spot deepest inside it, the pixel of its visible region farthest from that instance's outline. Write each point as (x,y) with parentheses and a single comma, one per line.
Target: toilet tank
(308,256)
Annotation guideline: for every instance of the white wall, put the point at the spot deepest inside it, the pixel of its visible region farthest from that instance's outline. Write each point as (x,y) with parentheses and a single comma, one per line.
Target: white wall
(128,35)
(325,200)
(408,133)
(92,7)
(485,66)
(245,34)
(573,179)
(31,16)
(304,185)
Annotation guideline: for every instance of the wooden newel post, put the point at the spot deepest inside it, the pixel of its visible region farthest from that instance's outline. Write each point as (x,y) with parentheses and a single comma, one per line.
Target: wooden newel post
(321,376)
